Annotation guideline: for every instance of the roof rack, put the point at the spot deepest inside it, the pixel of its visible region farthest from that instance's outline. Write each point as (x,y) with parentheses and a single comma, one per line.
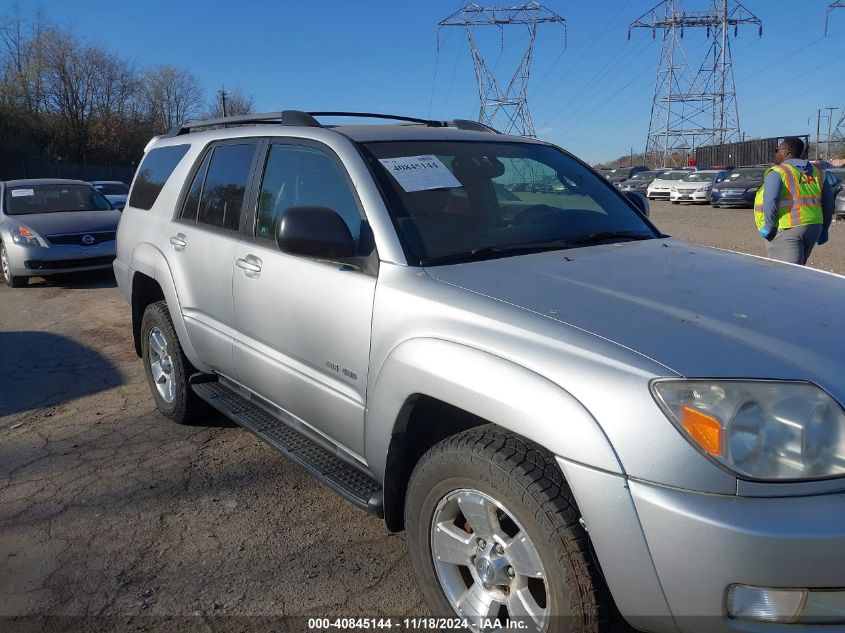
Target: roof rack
(297,117)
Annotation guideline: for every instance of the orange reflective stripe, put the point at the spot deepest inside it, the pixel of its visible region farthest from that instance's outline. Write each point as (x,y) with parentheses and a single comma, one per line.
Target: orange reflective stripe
(792,185)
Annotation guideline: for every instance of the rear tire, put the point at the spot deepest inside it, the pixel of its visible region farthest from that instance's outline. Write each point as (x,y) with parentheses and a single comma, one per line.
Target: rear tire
(490,480)
(167,368)
(13,281)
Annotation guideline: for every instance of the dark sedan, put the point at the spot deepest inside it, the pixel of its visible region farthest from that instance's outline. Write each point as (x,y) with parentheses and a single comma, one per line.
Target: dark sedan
(739,189)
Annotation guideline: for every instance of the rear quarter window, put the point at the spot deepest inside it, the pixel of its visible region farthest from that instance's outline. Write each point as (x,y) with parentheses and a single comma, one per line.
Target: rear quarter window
(153,173)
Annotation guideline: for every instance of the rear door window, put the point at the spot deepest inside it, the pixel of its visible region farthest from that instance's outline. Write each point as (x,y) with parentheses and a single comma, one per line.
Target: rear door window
(225,184)
(153,173)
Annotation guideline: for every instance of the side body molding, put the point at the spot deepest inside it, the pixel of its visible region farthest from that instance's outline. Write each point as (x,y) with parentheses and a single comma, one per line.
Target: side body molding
(150,261)
(485,385)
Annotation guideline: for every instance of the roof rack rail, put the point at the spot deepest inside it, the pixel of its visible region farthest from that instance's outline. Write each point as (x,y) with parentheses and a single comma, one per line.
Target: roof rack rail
(297,117)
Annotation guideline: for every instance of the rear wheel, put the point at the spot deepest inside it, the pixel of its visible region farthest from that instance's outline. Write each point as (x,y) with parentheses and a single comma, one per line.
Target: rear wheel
(167,368)
(494,533)
(14,281)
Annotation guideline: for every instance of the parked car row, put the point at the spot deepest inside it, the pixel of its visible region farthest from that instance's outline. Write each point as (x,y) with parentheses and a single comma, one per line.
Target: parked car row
(729,187)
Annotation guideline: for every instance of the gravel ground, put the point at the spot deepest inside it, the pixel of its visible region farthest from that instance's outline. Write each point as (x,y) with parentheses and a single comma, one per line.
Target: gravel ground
(108,510)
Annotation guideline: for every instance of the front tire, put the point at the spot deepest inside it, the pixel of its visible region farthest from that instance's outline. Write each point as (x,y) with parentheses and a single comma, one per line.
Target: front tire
(166,366)
(13,281)
(494,533)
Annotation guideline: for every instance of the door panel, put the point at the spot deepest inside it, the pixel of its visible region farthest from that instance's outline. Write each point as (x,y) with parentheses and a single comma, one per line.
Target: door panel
(203,242)
(303,339)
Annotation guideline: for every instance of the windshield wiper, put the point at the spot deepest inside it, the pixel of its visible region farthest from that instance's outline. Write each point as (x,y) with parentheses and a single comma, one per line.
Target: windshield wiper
(489,252)
(601,236)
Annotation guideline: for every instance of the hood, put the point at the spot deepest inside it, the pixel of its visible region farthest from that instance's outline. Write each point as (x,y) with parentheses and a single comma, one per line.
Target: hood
(660,182)
(738,184)
(69,221)
(699,311)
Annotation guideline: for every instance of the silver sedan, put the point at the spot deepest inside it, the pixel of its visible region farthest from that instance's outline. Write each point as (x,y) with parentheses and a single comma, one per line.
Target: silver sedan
(50,226)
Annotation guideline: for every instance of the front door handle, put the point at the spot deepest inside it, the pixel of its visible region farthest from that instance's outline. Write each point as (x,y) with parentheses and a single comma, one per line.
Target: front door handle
(250,264)
(179,241)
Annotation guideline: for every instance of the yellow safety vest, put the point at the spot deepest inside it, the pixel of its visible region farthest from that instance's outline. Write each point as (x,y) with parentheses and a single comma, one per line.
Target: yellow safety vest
(800,200)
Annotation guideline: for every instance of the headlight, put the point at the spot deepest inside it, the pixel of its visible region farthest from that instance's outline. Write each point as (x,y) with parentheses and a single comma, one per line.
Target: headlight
(752,190)
(25,236)
(707,188)
(674,190)
(759,429)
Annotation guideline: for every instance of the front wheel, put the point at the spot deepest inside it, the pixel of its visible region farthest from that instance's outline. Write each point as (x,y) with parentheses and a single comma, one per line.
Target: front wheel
(13,281)
(494,534)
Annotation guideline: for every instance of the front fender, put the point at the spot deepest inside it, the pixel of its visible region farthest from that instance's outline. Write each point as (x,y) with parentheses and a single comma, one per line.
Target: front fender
(489,387)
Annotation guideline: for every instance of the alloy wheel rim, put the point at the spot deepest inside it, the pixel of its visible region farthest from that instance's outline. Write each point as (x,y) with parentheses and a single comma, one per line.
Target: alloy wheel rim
(161,365)
(486,563)
(4,258)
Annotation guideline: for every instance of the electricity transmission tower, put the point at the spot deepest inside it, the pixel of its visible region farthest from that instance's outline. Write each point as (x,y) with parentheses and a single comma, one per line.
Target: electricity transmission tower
(505,103)
(693,108)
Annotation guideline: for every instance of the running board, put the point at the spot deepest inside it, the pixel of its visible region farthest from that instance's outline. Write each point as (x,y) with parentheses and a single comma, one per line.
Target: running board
(351,483)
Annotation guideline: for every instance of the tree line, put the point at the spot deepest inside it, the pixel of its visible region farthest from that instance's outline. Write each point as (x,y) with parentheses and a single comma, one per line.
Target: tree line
(65,99)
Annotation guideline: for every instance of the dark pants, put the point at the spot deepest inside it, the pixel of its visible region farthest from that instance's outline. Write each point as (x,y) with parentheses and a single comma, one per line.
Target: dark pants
(794,245)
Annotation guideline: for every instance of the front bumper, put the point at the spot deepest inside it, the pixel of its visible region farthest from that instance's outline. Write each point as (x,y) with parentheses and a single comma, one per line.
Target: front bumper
(41,261)
(732,199)
(669,555)
(656,194)
(701,544)
(691,197)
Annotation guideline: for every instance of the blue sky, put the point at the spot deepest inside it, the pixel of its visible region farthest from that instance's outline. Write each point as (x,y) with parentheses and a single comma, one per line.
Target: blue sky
(594,98)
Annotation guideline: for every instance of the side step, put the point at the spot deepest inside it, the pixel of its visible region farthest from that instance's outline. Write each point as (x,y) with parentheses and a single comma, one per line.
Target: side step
(350,482)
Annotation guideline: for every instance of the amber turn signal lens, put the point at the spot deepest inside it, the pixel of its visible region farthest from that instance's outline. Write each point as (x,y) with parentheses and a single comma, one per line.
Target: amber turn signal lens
(25,232)
(704,429)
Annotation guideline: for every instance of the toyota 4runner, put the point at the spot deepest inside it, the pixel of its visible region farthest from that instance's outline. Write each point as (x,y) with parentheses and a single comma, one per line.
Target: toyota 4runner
(580,422)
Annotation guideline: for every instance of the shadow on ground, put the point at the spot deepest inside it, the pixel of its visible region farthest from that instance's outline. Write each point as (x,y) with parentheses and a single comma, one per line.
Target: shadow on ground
(40,369)
(93,279)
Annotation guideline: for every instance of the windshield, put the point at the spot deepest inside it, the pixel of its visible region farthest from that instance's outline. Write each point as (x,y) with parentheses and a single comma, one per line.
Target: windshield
(701,176)
(454,204)
(619,176)
(644,175)
(54,198)
(112,189)
(674,175)
(747,174)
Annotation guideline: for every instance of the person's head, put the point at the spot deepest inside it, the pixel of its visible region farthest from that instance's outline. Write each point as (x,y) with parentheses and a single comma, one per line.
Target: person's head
(790,147)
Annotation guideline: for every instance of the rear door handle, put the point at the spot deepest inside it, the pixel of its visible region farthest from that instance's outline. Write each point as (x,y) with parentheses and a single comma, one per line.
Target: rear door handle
(250,264)
(179,241)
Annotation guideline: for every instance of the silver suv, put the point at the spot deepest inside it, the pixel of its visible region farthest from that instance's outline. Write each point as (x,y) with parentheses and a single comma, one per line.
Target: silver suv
(580,422)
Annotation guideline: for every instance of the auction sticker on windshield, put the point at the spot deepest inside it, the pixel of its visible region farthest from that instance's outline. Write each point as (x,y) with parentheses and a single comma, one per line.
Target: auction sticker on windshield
(419,173)
(19,193)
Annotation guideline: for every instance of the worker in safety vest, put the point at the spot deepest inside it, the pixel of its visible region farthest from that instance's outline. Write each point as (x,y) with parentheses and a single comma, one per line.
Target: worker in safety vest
(794,207)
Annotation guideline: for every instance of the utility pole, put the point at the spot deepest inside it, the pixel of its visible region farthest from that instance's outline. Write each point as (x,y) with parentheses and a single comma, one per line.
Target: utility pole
(691,109)
(839,130)
(818,132)
(505,102)
(223,94)
(829,122)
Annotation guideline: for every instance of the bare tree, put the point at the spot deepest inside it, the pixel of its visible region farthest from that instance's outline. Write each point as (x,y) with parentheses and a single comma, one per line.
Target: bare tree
(170,95)
(237,103)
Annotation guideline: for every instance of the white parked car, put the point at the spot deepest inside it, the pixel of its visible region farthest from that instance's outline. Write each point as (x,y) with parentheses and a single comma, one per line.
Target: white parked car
(696,186)
(660,187)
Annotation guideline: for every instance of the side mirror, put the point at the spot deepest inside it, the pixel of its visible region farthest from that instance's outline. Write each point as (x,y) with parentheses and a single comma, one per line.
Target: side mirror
(638,200)
(314,232)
